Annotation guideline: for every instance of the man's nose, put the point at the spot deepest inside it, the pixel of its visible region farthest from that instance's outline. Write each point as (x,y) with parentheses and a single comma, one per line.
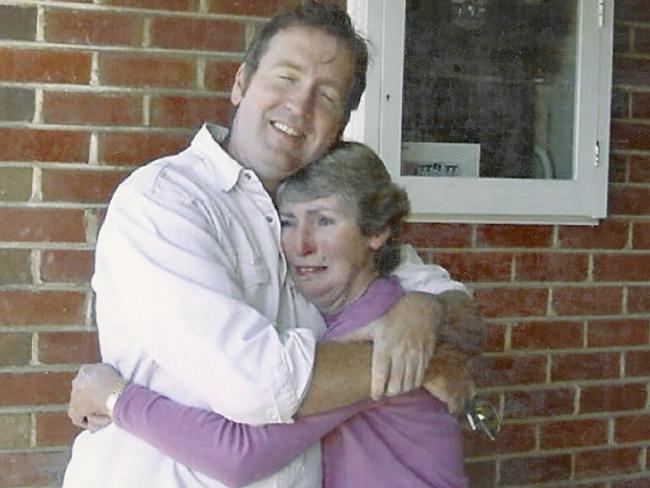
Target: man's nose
(301,100)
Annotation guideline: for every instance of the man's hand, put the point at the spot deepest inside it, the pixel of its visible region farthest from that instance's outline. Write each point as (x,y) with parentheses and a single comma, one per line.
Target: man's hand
(448,379)
(404,340)
(90,389)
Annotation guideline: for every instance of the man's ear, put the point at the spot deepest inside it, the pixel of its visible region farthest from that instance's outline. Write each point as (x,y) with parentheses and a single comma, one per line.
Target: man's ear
(378,240)
(239,87)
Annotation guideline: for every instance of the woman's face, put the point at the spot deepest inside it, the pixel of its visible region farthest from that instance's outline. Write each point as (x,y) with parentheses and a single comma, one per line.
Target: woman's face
(330,260)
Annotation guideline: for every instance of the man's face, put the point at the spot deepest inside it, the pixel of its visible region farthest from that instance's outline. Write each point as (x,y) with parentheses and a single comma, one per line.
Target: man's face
(291,109)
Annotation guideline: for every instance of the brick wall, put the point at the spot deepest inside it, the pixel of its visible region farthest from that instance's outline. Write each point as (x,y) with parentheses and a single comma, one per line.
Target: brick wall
(90,89)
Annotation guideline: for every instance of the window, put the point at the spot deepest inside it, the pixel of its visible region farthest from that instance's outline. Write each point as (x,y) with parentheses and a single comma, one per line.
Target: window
(490,111)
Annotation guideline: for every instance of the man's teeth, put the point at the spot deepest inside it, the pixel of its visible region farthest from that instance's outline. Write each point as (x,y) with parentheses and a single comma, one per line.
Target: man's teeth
(286,129)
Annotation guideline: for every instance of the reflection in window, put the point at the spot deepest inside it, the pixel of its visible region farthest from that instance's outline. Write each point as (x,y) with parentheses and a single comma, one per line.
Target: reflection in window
(495,79)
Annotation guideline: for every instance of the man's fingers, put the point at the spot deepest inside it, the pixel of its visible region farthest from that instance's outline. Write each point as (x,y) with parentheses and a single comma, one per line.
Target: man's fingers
(380,370)
(396,377)
(410,373)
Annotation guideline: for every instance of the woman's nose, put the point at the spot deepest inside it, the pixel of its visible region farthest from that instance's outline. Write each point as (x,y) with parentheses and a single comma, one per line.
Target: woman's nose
(307,245)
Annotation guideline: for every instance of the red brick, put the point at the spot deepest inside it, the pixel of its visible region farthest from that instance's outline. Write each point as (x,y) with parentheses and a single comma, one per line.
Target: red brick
(618,164)
(41,308)
(138,148)
(617,267)
(47,66)
(585,366)
(438,235)
(643,482)
(628,200)
(622,35)
(611,333)
(54,429)
(32,468)
(573,433)
(620,103)
(189,112)
(476,266)
(15,266)
(66,266)
(80,186)
(514,236)
(511,302)
(43,145)
(34,388)
(511,438)
(551,267)
(253,7)
(631,10)
(641,235)
(141,71)
(589,464)
(630,71)
(608,398)
(90,108)
(637,363)
(640,105)
(15,184)
(68,347)
(510,370)
(539,403)
(526,470)
(220,75)
(183,33)
(632,428)
(15,349)
(174,5)
(81,27)
(588,300)
(481,474)
(609,234)
(41,225)
(640,167)
(495,338)
(546,335)
(638,299)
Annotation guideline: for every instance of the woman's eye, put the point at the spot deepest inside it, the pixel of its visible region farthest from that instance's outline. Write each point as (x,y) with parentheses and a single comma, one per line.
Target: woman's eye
(285,222)
(325,221)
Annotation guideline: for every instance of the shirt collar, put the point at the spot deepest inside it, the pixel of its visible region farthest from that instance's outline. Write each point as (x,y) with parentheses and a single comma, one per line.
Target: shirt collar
(208,142)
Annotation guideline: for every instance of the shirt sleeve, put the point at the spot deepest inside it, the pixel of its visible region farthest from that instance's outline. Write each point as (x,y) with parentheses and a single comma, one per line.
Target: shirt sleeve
(163,267)
(414,275)
(235,454)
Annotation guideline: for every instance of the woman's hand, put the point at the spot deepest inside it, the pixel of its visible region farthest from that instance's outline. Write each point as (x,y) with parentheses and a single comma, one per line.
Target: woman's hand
(90,389)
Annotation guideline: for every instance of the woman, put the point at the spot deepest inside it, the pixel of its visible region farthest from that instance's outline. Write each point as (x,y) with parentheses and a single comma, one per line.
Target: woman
(341,220)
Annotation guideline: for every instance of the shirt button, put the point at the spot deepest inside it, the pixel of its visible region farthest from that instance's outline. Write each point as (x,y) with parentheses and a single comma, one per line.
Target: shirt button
(269,219)
(247,175)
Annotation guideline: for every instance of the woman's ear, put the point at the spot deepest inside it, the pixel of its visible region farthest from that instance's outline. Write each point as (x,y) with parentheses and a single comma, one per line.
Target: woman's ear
(239,87)
(378,240)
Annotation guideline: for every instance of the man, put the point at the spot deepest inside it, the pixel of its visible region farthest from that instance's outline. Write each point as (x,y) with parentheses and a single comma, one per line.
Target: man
(192,295)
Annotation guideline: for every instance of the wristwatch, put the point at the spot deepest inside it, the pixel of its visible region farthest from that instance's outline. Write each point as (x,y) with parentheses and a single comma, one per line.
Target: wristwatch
(114,395)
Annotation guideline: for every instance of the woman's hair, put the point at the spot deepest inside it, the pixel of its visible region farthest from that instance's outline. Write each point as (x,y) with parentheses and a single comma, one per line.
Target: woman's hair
(355,173)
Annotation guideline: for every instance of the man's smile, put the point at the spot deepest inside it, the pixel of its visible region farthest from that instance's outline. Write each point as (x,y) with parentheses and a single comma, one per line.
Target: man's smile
(286,129)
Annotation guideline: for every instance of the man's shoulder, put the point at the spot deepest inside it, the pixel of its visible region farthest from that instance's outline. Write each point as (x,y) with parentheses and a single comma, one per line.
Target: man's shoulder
(185,174)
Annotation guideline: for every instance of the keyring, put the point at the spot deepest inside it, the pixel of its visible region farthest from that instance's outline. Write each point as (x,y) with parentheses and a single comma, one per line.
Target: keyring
(483,417)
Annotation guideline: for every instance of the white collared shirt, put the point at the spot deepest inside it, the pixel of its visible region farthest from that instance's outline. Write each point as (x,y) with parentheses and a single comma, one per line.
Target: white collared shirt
(193,301)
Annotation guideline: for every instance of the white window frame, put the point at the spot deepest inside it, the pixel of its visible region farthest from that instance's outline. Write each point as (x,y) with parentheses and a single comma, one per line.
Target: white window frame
(581,200)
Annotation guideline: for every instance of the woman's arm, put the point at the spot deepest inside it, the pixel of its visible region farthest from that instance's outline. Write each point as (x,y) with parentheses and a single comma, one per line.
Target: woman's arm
(235,454)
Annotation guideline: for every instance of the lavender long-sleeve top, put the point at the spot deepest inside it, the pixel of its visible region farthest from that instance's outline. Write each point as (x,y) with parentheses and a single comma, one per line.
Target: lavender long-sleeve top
(408,441)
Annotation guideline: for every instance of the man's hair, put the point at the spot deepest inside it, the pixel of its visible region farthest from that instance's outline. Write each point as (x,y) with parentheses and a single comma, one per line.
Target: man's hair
(328,18)
(354,172)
